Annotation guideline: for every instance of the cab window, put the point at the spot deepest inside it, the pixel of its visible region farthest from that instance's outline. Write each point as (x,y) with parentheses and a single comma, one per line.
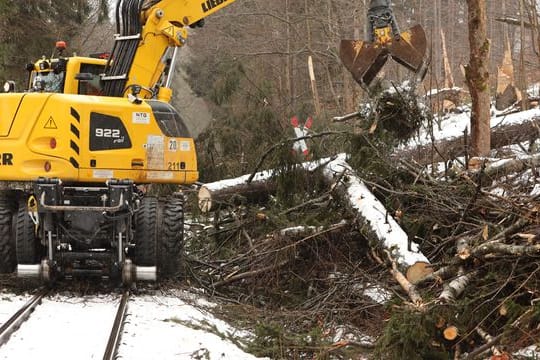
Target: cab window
(93,86)
(168,119)
(47,81)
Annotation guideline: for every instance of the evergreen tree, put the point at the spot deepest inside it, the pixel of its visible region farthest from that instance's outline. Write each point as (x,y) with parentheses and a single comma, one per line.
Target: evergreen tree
(30,29)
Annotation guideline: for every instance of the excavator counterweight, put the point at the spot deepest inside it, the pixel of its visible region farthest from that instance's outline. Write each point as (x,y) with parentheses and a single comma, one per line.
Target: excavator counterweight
(365,59)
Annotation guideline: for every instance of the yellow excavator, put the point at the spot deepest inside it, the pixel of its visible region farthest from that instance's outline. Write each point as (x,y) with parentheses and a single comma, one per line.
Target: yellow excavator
(77,143)
(365,59)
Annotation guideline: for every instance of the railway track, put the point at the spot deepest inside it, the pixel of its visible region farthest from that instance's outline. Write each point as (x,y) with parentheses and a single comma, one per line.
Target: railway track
(116,331)
(20,316)
(25,312)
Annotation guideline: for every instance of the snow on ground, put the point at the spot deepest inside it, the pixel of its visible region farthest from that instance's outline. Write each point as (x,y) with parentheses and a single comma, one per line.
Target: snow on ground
(9,304)
(166,328)
(63,328)
(530,352)
(157,327)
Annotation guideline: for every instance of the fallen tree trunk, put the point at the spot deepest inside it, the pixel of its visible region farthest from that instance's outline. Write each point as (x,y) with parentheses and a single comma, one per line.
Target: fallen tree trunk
(506,249)
(456,287)
(448,149)
(511,166)
(376,224)
(213,194)
(252,187)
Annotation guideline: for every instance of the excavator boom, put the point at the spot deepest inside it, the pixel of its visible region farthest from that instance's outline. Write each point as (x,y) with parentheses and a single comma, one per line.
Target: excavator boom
(149,35)
(364,59)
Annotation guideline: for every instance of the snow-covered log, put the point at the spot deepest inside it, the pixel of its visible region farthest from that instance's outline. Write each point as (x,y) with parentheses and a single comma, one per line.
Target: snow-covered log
(376,224)
(505,167)
(303,231)
(213,194)
(261,185)
(451,148)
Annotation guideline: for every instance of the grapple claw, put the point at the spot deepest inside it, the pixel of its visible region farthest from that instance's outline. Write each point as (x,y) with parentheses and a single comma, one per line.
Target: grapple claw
(365,59)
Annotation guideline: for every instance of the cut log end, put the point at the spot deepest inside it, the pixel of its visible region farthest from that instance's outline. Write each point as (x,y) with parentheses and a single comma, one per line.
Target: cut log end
(205,200)
(418,271)
(451,333)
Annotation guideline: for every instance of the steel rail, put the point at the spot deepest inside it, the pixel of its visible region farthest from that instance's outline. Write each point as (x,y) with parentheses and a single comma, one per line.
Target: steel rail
(116,331)
(14,322)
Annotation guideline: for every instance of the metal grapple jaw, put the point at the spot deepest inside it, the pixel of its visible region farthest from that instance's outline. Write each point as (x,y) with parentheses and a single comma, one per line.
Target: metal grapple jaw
(365,59)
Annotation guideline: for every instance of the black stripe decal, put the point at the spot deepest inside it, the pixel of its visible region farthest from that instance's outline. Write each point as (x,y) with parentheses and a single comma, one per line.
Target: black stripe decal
(74,163)
(75,131)
(74,146)
(76,115)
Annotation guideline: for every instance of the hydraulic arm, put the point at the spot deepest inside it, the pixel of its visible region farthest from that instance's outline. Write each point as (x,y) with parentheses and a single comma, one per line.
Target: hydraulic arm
(149,34)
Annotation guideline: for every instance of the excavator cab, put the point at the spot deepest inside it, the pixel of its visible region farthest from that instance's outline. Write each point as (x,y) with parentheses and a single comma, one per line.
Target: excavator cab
(365,59)
(46,80)
(83,76)
(67,75)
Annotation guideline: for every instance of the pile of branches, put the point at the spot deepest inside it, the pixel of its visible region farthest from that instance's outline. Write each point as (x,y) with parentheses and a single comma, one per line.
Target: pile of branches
(297,269)
(480,231)
(298,266)
(303,266)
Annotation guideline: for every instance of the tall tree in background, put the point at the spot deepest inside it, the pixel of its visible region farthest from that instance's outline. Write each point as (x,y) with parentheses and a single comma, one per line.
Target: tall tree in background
(477,75)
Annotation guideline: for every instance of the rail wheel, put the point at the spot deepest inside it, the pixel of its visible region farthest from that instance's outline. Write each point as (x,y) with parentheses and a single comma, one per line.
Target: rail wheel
(7,251)
(146,232)
(171,238)
(27,248)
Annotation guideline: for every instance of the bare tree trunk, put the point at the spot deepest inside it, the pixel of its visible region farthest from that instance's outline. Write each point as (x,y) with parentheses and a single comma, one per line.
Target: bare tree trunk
(507,93)
(348,92)
(477,75)
(315,92)
(536,30)
(523,82)
(288,64)
(448,77)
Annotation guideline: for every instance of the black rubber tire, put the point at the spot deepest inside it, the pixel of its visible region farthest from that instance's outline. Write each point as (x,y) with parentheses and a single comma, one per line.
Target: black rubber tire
(171,239)
(146,232)
(7,248)
(25,239)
